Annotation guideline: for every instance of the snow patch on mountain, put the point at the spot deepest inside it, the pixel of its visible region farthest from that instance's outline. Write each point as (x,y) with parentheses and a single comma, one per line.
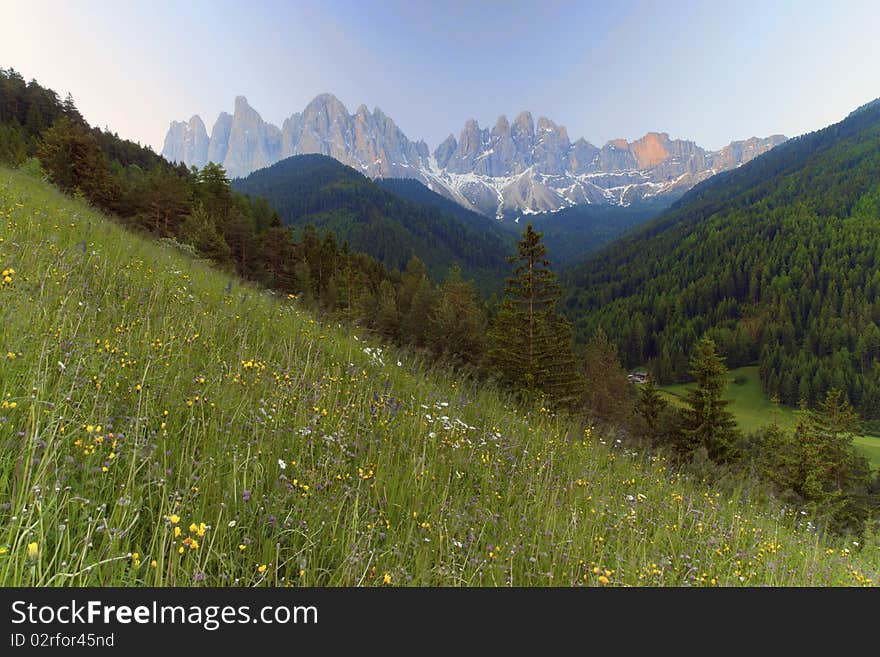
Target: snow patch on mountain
(524,166)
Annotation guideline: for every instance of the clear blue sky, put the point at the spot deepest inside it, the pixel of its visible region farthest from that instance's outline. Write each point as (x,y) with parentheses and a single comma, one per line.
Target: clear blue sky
(710,71)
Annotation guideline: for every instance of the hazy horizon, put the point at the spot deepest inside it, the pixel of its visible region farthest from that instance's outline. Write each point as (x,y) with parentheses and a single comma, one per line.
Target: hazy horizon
(697,71)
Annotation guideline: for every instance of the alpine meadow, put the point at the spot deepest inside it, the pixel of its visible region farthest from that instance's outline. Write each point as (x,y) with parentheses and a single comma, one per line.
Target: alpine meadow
(330,346)
(165,424)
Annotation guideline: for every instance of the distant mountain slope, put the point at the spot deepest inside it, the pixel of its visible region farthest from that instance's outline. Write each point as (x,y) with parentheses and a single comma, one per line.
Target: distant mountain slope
(415,191)
(777,259)
(318,190)
(520,166)
(573,233)
(569,234)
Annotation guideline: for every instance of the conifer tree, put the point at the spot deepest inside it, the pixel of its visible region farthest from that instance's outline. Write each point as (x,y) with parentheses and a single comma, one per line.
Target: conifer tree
(278,257)
(457,326)
(834,474)
(387,316)
(199,230)
(708,423)
(70,110)
(530,344)
(416,302)
(607,393)
(165,202)
(304,282)
(13,147)
(213,189)
(73,160)
(817,465)
(650,406)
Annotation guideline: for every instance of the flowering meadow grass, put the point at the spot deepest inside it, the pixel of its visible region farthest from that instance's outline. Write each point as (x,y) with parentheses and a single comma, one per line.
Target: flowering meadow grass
(163,423)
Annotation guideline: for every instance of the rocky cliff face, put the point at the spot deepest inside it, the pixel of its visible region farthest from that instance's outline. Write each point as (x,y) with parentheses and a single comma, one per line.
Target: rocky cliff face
(524,166)
(187,142)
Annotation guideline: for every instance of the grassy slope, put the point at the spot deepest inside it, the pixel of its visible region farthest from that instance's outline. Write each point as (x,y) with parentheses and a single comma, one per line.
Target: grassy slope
(753,409)
(151,393)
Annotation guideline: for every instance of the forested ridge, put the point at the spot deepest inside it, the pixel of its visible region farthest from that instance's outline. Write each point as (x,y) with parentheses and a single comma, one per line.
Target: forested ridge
(569,233)
(412,190)
(317,190)
(777,261)
(572,233)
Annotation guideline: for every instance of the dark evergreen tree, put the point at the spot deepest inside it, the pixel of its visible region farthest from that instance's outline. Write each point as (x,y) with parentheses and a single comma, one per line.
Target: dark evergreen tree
(387,320)
(835,476)
(73,161)
(817,467)
(529,343)
(278,253)
(70,110)
(417,301)
(649,407)
(708,423)
(13,145)
(457,324)
(165,201)
(214,192)
(608,396)
(200,231)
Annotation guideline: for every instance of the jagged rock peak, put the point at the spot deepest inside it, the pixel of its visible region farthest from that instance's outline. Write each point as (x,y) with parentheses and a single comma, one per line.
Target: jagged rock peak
(521,165)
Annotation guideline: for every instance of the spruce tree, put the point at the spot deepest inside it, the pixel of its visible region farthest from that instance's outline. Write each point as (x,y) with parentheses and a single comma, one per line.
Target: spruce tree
(650,406)
(835,475)
(608,396)
(530,344)
(70,110)
(278,254)
(387,318)
(708,423)
(213,189)
(73,160)
(416,301)
(817,466)
(457,328)
(199,230)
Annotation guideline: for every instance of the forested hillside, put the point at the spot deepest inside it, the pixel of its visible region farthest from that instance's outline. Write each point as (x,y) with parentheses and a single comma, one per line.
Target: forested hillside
(569,234)
(777,261)
(317,190)
(412,190)
(573,233)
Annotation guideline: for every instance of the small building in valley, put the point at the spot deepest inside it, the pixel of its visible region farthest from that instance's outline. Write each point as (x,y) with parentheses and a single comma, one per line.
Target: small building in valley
(637,376)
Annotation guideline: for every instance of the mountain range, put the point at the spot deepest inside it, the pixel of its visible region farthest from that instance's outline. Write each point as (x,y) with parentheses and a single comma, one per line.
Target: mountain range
(524,166)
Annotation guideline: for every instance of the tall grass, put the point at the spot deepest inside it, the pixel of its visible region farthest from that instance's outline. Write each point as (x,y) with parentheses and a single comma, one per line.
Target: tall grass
(163,423)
